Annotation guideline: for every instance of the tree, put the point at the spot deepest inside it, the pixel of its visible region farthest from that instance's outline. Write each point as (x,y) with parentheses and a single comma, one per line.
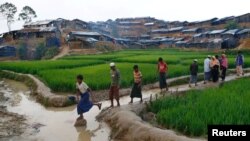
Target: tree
(40,51)
(232,25)
(8,10)
(27,14)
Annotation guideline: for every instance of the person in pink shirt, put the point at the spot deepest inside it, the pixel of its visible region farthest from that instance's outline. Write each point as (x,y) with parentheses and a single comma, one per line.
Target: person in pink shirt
(224,66)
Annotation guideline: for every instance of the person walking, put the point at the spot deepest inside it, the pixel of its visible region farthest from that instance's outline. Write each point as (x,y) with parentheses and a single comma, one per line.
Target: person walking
(136,90)
(215,65)
(83,97)
(207,69)
(162,70)
(224,66)
(239,61)
(194,72)
(115,84)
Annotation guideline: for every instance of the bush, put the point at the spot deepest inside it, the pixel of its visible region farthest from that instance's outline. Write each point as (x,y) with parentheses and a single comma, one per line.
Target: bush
(23,51)
(40,51)
(51,52)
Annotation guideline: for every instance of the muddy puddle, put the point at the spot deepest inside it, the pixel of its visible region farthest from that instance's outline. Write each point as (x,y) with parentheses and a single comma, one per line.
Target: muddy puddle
(55,124)
(50,124)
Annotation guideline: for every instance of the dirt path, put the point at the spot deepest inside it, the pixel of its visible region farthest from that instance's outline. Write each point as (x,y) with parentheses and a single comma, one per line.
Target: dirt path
(126,125)
(64,51)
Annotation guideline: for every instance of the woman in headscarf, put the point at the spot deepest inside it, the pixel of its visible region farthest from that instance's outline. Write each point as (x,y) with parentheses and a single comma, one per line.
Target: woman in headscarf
(215,65)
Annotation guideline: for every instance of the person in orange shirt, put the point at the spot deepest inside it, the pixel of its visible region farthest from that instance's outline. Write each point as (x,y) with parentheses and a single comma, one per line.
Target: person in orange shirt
(136,90)
(215,65)
(162,69)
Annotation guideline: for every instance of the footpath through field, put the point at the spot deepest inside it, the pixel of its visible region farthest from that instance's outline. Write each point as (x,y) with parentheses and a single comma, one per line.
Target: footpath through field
(127,125)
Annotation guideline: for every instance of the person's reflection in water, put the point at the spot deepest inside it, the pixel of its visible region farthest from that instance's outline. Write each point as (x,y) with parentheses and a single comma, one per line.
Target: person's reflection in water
(83,134)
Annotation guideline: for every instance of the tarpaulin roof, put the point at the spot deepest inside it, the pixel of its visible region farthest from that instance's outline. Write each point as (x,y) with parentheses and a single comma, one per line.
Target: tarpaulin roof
(244,31)
(81,33)
(44,22)
(231,32)
(217,31)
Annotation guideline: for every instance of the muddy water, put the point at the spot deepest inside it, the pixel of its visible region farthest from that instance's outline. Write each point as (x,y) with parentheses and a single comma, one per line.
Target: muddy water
(56,124)
(52,124)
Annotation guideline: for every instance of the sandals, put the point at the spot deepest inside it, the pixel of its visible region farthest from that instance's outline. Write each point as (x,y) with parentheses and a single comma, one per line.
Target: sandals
(100,106)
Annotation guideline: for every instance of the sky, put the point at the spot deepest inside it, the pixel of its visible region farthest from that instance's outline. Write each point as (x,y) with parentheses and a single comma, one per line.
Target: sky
(102,10)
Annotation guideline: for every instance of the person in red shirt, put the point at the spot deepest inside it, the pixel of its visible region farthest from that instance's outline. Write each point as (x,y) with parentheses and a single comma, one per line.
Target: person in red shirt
(162,69)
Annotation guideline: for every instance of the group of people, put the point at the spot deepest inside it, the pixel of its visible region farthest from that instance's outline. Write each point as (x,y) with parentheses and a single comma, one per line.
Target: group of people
(213,65)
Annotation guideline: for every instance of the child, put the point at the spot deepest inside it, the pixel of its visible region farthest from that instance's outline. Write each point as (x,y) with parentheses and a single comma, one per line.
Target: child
(84,104)
(136,90)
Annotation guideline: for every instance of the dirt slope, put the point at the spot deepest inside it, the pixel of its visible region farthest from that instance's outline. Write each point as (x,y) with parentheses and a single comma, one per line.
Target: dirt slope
(64,51)
(245,44)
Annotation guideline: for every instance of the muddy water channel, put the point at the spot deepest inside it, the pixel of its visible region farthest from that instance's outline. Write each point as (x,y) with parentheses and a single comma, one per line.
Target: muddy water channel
(56,124)
(48,124)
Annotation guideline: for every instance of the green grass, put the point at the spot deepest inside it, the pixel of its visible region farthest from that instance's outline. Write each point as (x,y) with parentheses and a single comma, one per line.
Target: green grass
(59,75)
(191,113)
(33,67)
(98,77)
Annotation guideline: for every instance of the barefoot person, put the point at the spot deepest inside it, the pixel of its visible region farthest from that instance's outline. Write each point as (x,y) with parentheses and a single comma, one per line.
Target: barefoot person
(194,72)
(136,90)
(84,103)
(207,69)
(224,66)
(162,69)
(239,63)
(115,85)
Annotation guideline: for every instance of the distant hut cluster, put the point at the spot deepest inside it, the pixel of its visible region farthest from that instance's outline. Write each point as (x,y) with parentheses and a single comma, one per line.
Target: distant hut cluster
(141,32)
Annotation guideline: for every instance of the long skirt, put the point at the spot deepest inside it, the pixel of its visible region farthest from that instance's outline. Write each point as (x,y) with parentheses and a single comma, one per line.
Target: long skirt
(162,80)
(84,104)
(215,73)
(223,73)
(136,91)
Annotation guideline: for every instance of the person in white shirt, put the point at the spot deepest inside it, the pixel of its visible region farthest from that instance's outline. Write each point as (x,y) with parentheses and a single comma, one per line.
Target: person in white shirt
(207,69)
(84,103)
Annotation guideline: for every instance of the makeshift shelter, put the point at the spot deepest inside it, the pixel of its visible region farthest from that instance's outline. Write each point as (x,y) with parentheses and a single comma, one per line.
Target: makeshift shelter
(7,51)
(245,33)
(223,20)
(243,18)
(230,43)
(216,33)
(192,31)
(230,33)
(43,23)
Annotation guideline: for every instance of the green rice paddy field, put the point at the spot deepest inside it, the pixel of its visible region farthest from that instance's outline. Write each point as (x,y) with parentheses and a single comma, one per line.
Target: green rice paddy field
(59,75)
(193,111)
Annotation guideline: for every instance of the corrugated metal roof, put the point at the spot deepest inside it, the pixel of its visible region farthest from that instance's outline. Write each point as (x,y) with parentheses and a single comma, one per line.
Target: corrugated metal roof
(5,46)
(39,29)
(81,33)
(160,30)
(190,30)
(44,22)
(129,22)
(197,35)
(231,32)
(176,28)
(217,31)
(244,31)
(149,24)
